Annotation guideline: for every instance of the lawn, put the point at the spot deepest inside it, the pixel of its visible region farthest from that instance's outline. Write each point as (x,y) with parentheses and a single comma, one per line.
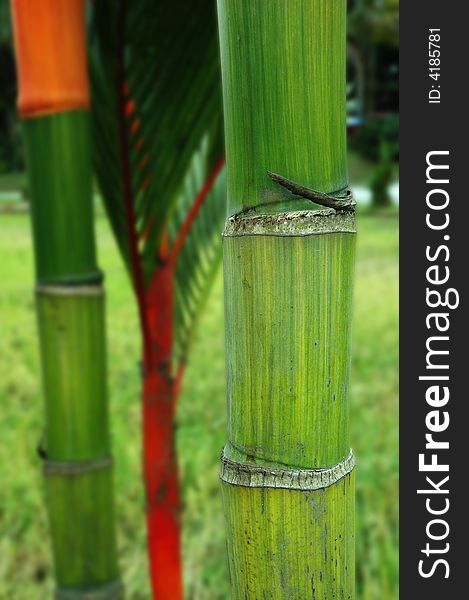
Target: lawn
(25,561)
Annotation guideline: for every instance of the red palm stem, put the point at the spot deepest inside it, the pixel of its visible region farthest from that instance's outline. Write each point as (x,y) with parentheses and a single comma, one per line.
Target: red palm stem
(194,211)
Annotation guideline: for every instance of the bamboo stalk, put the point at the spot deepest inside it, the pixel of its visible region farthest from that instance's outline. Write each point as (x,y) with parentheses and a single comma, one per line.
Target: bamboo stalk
(53,101)
(287,469)
(59,170)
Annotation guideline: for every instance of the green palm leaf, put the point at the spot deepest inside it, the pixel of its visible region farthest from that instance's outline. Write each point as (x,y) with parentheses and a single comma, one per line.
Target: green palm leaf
(200,254)
(161,60)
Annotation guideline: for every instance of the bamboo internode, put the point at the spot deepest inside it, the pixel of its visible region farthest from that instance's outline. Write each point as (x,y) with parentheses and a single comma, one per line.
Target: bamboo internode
(288,306)
(289,544)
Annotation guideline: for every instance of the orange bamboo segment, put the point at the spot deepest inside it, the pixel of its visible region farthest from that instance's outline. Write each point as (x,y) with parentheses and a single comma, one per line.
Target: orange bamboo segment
(51,56)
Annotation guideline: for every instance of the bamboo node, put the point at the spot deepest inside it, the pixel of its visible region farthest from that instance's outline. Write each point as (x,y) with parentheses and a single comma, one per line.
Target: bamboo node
(291,224)
(52,467)
(69,290)
(111,591)
(246,475)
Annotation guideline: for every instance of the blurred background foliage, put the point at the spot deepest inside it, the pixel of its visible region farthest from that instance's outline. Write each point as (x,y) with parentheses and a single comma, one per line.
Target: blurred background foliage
(24,547)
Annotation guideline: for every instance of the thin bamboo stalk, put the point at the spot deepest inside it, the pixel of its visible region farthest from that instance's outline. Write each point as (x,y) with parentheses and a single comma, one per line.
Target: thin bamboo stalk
(69,298)
(287,469)
(59,170)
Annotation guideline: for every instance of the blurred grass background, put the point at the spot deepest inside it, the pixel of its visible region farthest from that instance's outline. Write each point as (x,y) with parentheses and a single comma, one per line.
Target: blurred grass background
(25,561)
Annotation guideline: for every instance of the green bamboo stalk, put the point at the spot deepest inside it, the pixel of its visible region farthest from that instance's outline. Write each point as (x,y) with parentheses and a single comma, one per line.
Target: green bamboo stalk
(59,170)
(70,307)
(287,468)
(53,101)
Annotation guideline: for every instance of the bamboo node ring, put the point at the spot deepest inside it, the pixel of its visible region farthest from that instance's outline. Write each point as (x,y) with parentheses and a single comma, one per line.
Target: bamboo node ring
(52,467)
(248,475)
(112,591)
(69,290)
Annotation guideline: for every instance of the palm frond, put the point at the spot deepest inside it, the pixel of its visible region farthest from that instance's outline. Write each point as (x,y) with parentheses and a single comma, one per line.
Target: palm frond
(199,256)
(154,65)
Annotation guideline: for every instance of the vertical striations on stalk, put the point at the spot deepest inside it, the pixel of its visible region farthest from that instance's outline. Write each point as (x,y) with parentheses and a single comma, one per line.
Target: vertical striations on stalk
(287,468)
(54,104)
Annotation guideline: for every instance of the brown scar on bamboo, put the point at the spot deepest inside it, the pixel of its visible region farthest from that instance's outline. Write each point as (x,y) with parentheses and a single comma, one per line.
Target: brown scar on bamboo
(343,201)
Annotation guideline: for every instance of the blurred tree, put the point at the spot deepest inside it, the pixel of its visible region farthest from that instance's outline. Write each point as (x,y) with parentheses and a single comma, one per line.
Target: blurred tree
(381,178)
(373,32)
(11,147)
(376,21)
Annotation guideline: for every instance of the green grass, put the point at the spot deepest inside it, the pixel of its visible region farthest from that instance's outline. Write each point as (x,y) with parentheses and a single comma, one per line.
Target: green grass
(25,561)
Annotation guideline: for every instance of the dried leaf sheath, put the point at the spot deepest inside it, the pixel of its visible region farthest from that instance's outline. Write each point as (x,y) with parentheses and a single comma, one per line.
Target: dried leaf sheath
(289,495)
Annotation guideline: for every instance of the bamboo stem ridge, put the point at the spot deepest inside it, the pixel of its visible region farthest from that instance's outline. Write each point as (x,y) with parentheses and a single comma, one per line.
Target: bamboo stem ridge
(287,471)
